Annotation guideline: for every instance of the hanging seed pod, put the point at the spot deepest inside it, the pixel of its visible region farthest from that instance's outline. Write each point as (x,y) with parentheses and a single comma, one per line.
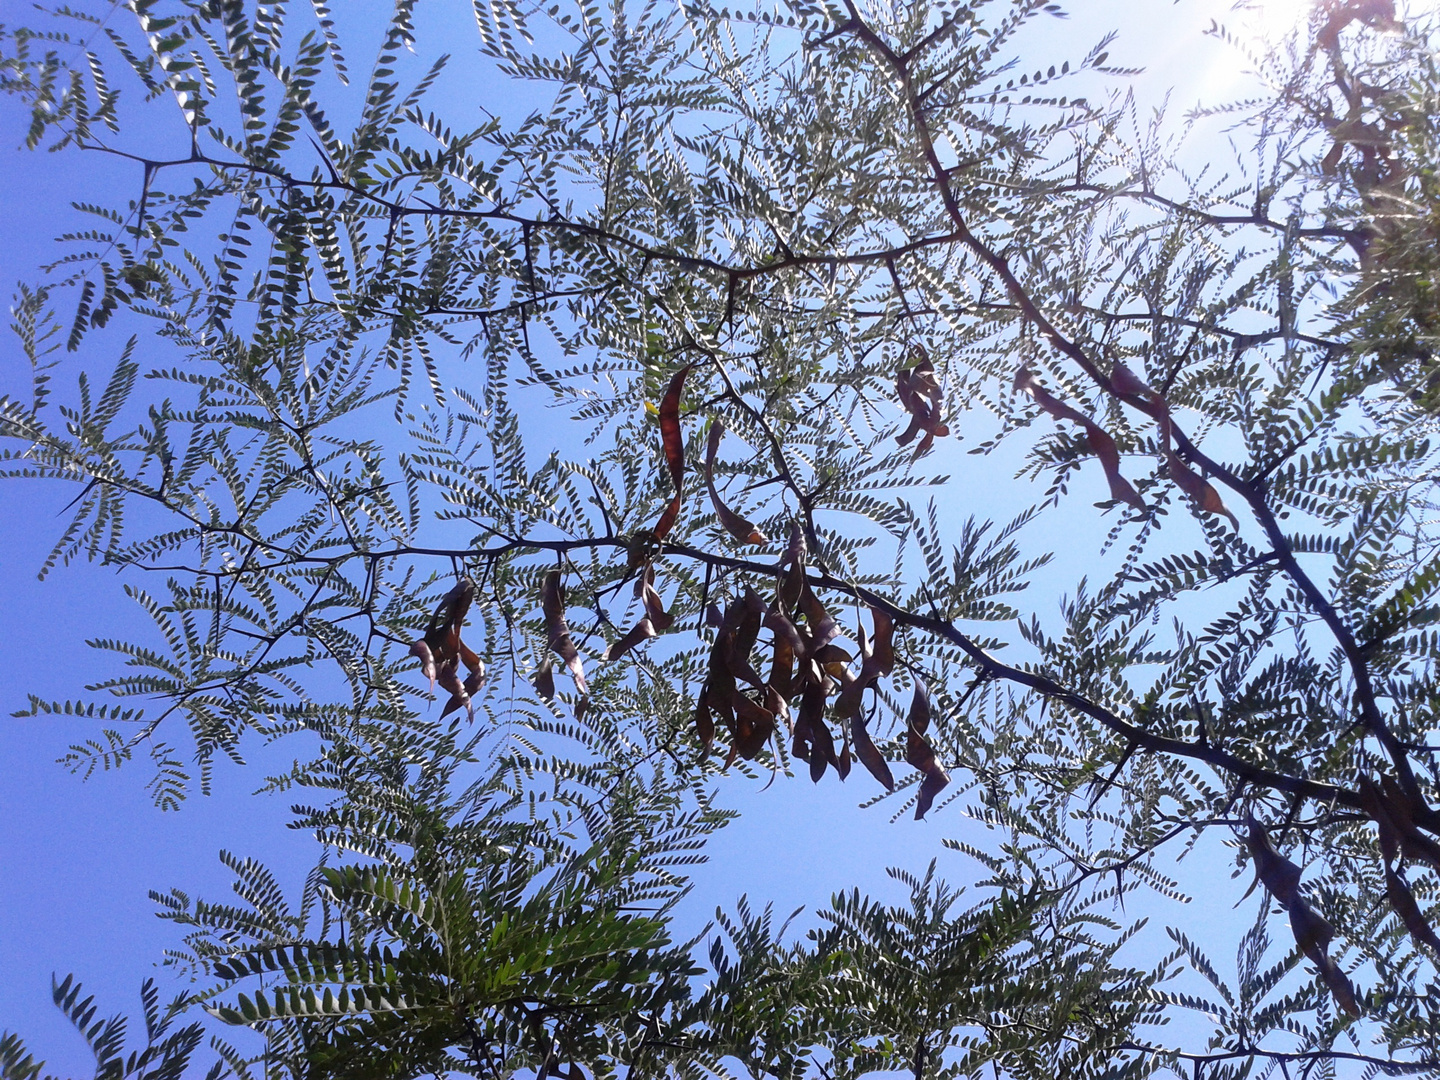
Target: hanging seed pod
(868,753)
(552,601)
(737,526)
(1127,382)
(1402,811)
(920,754)
(792,585)
(673,444)
(919,394)
(441,650)
(544,681)
(641,632)
(754,727)
(1402,900)
(704,725)
(1202,493)
(655,611)
(1100,443)
(1280,876)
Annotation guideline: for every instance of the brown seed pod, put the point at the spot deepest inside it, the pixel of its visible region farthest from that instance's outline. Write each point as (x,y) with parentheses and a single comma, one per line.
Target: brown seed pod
(1279,875)
(441,650)
(1402,900)
(1100,443)
(919,393)
(919,752)
(868,753)
(673,444)
(552,602)
(737,526)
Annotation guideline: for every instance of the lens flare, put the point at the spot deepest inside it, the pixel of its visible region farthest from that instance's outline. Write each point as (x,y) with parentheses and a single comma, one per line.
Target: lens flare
(1274,19)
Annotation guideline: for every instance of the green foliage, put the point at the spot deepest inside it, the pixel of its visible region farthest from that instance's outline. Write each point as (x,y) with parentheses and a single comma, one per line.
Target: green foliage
(467,933)
(168,1052)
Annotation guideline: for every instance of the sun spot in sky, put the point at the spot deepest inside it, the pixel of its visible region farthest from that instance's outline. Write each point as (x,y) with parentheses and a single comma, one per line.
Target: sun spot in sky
(1273,19)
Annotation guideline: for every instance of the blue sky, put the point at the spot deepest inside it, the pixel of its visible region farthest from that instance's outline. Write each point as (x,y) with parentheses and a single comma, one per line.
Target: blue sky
(78,858)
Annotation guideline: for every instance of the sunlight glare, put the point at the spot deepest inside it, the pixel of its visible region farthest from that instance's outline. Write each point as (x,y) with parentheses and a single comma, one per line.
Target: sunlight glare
(1272,20)
(1261,24)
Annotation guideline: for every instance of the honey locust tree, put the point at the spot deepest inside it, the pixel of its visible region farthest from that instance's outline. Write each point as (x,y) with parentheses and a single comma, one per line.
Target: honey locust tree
(743,399)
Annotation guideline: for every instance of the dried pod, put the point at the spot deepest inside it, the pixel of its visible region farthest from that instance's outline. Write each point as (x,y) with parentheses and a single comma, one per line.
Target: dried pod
(919,752)
(1279,875)
(1200,490)
(1127,382)
(824,750)
(1312,934)
(877,659)
(704,725)
(1100,443)
(469,657)
(737,526)
(919,393)
(1103,447)
(738,632)
(820,626)
(552,599)
(800,736)
(1197,487)
(792,585)
(1415,844)
(1312,931)
(544,680)
(782,668)
(777,705)
(427,661)
(868,754)
(673,443)
(852,694)
(785,631)
(809,725)
(754,726)
(448,675)
(834,659)
(469,688)
(655,611)
(918,720)
(936,780)
(642,631)
(443,633)
(1341,989)
(441,650)
(795,548)
(720,695)
(1402,900)
(881,656)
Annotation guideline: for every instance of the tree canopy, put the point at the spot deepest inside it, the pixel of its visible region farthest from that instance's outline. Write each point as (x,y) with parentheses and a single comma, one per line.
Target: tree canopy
(766,391)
